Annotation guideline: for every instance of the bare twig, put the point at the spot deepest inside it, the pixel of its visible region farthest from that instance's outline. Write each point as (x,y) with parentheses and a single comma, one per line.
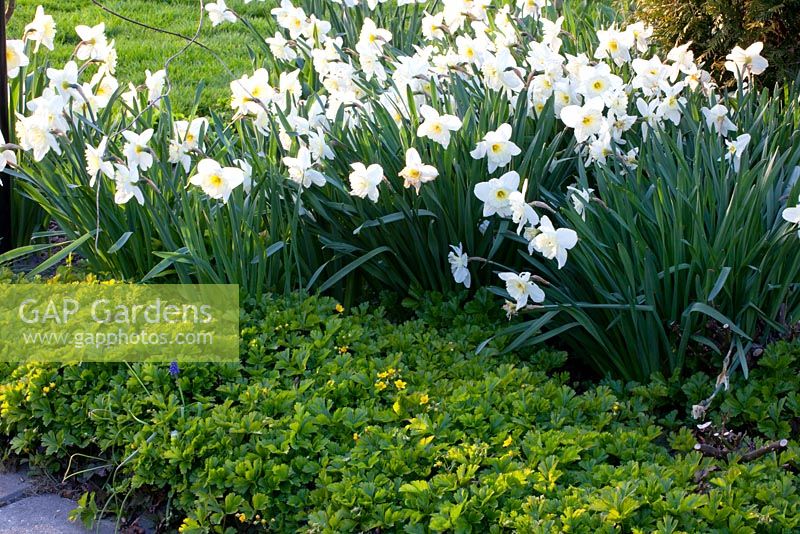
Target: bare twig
(12,4)
(766,449)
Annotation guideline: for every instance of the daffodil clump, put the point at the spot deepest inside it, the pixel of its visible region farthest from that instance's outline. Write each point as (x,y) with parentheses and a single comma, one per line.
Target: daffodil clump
(417,143)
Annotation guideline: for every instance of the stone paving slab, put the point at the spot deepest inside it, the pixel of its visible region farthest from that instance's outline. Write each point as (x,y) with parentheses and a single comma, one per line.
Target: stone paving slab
(12,487)
(44,514)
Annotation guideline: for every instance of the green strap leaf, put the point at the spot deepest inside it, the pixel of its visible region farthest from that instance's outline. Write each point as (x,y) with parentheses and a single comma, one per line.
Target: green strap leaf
(120,242)
(350,267)
(392,217)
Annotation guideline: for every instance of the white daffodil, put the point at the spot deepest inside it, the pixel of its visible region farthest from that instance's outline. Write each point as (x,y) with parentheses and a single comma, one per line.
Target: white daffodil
(522,213)
(93,45)
(65,81)
(649,113)
(136,150)
(155,81)
(95,163)
(496,194)
(459,265)
(586,120)
(41,30)
(372,39)
(189,133)
(7,157)
(683,58)
(318,146)
(745,62)
(614,44)
(126,180)
(15,57)
(792,215)
(364,181)
(670,106)
(247,169)
(520,288)
(34,133)
(218,13)
(641,35)
(532,8)
(735,149)
(300,171)
(580,199)
(433,26)
(281,48)
(500,72)
(497,147)
(416,173)
(437,127)
(717,118)
(553,243)
(217,181)
(103,86)
(292,18)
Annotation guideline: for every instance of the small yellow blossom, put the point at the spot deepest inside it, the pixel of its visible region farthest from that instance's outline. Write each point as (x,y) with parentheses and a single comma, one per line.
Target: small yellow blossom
(343,349)
(355,436)
(380,385)
(508,442)
(241,517)
(424,399)
(399,384)
(339,308)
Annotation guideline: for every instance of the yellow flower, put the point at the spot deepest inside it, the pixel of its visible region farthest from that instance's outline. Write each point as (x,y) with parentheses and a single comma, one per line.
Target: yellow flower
(399,384)
(380,385)
(242,518)
(343,349)
(46,389)
(355,436)
(339,308)
(508,442)
(424,399)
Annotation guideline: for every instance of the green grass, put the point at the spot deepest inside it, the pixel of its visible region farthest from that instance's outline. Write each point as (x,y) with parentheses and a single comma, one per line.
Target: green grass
(141,49)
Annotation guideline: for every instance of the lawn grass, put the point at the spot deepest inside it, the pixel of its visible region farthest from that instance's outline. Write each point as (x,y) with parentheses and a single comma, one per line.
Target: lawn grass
(141,49)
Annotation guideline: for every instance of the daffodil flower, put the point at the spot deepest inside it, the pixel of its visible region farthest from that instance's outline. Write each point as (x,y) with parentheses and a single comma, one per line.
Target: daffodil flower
(364,181)
(126,180)
(717,118)
(437,127)
(521,289)
(459,265)
(300,170)
(41,30)
(217,181)
(95,164)
(497,148)
(496,194)
(416,173)
(586,120)
(136,150)
(735,149)
(553,243)
(744,62)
